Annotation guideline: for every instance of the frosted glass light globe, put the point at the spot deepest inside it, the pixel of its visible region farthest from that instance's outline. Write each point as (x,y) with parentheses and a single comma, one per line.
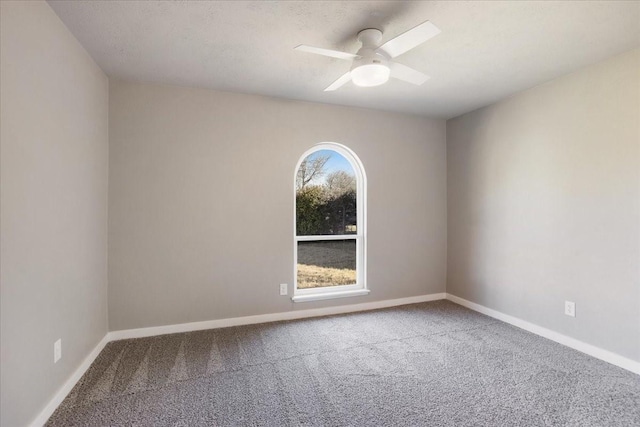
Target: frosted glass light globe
(369,75)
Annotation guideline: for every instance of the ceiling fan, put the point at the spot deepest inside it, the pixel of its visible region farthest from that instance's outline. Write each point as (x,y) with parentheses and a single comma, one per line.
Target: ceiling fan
(372,65)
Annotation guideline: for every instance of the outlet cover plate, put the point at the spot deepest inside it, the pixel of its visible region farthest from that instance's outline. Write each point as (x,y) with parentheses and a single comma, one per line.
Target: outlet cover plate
(57,350)
(283,289)
(570,308)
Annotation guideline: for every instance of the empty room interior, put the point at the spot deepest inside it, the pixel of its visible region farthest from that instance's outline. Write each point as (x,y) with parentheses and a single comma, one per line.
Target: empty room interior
(320,213)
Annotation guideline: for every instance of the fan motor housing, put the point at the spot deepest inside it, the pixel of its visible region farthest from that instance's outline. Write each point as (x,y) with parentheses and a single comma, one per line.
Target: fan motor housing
(370,39)
(369,57)
(370,68)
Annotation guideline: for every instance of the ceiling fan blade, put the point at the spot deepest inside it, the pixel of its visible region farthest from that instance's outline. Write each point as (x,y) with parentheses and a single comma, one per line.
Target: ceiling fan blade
(345,78)
(407,74)
(409,39)
(326,52)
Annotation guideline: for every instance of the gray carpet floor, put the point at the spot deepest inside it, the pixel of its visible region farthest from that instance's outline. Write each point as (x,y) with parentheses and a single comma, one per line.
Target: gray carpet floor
(431,364)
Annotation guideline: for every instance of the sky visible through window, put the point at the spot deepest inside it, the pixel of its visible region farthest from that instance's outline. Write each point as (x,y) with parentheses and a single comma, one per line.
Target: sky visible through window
(335,163)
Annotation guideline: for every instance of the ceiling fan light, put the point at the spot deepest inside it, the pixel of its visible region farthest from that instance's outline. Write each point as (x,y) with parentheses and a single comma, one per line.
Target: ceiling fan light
(370,75)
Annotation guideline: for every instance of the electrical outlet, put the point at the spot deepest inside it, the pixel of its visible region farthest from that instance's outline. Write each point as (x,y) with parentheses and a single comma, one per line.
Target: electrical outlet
(570,308)
(57,350)
(283,289)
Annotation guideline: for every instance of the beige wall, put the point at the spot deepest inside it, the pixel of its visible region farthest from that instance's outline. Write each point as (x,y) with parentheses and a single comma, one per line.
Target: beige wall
(544,205)
(201,201)
(54,154)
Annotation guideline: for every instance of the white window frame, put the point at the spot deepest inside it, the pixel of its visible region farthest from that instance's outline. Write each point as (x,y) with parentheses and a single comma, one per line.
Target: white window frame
(339,291)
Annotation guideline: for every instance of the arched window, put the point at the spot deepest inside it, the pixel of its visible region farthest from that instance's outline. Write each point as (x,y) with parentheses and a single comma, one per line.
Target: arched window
(330,228)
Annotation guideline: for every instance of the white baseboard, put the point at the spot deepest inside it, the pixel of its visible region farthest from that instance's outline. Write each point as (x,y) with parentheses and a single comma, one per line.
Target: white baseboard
(60,395)
(272,317)
(591,350)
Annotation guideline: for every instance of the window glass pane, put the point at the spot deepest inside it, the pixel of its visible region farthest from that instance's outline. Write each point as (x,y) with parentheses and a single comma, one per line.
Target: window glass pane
(326,263)
(325,195)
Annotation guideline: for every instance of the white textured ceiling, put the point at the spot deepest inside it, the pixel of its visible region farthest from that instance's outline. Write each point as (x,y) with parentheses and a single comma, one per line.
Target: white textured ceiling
(486,51)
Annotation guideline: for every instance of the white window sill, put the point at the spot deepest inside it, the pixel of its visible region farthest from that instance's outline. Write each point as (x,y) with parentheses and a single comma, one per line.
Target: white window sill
(329,295)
